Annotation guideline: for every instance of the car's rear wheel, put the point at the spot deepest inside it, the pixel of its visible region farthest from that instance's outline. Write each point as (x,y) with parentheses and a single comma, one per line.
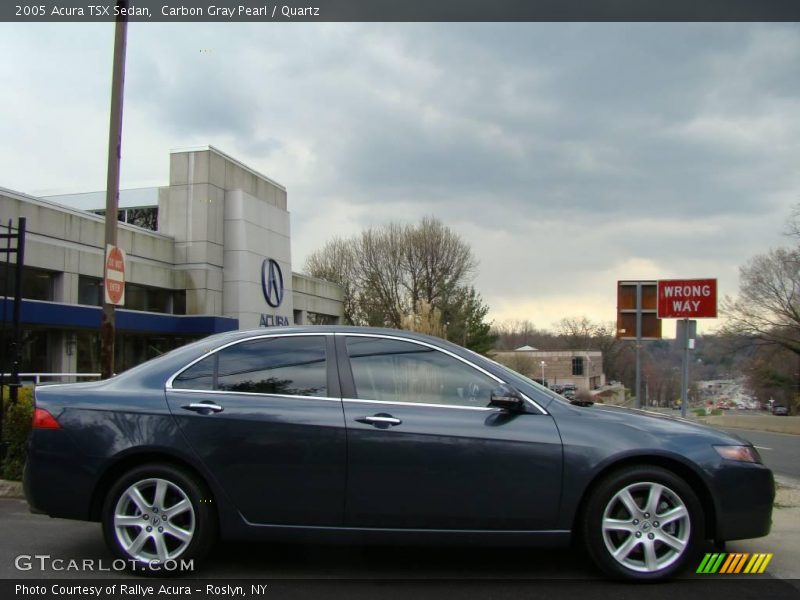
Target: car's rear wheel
(643,523)
(156,516)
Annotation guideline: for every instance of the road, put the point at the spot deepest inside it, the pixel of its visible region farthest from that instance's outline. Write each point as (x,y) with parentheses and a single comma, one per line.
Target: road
(423,572)
(402,572)
(779,451)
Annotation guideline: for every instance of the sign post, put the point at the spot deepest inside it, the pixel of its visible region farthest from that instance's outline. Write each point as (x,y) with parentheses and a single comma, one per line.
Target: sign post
(687,299)
(108,323)
(685,334)
(637,319)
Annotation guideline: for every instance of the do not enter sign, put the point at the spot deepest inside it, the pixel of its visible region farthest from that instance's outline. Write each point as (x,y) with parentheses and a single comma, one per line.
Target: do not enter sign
(115,276)
(687,298)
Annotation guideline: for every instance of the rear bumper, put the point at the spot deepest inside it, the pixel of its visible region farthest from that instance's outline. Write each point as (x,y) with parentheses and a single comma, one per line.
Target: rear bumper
(53,482)
(744,495)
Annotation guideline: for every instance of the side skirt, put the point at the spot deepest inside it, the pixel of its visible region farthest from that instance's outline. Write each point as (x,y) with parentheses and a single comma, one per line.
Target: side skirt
(443,537)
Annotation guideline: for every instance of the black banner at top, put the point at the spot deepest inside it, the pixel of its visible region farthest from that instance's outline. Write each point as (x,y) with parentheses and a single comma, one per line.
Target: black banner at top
(397,10)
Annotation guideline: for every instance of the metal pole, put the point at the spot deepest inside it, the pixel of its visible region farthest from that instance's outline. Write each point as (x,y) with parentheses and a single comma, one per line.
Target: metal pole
(108,322)
(13,388)
(685,377)
(638,389)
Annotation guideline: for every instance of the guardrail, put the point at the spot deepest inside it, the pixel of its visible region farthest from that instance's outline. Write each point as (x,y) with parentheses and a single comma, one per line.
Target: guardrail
(37,377)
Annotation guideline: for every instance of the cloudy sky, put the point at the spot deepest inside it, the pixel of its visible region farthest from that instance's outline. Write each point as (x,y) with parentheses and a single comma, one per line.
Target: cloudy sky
(568,155)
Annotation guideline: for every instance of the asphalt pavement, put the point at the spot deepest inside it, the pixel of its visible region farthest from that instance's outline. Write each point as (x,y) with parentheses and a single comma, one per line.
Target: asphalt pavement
(405,572)
(400,571)
(779,451)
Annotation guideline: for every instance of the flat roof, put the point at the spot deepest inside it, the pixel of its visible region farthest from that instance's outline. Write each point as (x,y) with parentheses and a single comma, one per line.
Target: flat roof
(130,198)
(229,158)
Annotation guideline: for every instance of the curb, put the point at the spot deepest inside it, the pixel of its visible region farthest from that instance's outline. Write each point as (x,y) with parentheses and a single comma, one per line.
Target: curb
(11,489)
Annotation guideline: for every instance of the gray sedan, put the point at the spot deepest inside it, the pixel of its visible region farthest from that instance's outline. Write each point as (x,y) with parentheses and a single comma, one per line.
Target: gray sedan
(374,435)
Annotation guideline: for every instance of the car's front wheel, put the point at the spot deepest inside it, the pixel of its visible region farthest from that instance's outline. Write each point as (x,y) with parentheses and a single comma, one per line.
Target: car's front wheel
(643,523)
(157,515)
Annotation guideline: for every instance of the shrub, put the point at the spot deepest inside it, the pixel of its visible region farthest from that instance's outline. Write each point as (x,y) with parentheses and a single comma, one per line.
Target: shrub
(16,427)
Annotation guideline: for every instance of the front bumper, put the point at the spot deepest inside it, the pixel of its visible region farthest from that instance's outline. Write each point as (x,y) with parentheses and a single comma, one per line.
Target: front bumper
(744,495)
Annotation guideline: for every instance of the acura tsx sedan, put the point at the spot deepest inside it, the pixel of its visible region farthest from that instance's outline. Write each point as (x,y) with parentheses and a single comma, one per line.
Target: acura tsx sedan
(337,434)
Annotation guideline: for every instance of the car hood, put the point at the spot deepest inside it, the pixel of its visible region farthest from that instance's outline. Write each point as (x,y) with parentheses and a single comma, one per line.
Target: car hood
(657,423)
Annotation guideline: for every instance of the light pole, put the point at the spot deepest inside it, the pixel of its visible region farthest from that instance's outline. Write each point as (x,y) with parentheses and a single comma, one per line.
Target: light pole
(542,364)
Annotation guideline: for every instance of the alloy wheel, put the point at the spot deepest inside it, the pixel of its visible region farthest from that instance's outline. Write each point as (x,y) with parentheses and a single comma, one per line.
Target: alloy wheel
(646,527)
(154,520)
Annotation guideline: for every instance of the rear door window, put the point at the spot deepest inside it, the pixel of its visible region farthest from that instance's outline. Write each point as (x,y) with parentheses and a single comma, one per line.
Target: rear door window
(292,366)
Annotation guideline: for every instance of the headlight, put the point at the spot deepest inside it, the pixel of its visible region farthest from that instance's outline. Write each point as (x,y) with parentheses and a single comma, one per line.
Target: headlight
(740,453)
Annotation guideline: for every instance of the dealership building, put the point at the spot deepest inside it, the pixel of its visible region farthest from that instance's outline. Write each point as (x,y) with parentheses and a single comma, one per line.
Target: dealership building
(209,252)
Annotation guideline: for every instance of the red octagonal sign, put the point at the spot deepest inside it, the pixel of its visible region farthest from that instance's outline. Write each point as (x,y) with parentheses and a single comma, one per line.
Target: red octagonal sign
(687,299)
(115,275)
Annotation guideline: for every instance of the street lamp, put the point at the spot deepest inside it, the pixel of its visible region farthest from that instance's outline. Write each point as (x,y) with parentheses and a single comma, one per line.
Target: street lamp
(541,364)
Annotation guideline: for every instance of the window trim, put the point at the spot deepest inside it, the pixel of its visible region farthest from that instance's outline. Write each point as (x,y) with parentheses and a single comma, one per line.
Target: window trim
(259,394)
(440,349)
(169,387)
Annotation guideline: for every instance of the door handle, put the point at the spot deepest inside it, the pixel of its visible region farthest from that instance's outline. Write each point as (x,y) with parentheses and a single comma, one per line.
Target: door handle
(379,420)
(203,407)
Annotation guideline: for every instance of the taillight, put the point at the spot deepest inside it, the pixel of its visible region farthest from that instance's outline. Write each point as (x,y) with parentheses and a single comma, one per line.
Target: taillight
(44,420)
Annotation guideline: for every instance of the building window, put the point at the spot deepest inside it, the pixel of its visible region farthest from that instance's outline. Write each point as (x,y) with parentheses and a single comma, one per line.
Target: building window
(34,351)
(37,284)
(137,297)
(145,217)
(577,365)
(140,297)
(130,349)
(90,290)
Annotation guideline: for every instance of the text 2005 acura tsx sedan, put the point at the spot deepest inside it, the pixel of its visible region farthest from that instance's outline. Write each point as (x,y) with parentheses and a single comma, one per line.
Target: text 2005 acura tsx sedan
(336,433)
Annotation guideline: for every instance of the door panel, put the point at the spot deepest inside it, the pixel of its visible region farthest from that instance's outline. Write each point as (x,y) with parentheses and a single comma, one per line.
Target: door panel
(281,457)
(455,465)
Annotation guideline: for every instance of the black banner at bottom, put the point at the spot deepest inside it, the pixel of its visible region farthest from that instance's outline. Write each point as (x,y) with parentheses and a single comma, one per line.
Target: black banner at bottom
(332,589)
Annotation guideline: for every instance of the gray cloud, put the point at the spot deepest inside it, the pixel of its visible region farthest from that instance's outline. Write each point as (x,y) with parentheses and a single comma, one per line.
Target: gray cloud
(563,152)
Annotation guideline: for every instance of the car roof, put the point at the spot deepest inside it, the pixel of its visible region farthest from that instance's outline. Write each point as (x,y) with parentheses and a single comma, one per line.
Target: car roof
(344,329)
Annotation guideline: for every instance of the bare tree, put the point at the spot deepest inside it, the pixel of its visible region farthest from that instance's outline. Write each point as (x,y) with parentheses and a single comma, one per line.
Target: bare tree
(515,334)
(767,308)
(390,272)
(337,261)
(380,275)
(436,261)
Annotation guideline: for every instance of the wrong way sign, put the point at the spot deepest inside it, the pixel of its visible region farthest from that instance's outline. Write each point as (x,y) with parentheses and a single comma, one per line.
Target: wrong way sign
(114,281)
(687,299)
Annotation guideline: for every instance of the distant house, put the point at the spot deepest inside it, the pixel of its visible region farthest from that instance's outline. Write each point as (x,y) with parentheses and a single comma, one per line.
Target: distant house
(581,368)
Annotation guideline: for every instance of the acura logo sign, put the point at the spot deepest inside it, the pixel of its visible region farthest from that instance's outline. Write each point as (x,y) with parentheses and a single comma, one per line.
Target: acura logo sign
(272,282)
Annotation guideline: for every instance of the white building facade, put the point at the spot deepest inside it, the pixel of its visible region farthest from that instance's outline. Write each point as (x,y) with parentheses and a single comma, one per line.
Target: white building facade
(209,252)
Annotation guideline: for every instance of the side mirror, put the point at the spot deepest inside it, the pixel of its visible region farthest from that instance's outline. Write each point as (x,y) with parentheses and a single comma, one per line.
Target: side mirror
(507,398)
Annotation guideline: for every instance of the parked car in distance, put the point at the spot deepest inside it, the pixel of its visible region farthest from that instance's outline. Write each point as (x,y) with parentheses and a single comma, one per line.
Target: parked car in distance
(779,410)
(347,434)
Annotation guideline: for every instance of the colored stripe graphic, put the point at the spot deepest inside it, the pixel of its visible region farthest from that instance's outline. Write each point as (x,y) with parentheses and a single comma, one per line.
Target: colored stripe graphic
(765,563)
(733,563)
(715,567)
(741,562)
(702,567)
(727,564)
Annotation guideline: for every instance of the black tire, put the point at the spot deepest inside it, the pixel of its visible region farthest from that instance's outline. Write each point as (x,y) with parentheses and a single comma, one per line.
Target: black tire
(665,560)
(198,517)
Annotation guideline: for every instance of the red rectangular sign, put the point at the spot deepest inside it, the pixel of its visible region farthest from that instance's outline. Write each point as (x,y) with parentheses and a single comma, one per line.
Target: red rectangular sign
(687,299)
